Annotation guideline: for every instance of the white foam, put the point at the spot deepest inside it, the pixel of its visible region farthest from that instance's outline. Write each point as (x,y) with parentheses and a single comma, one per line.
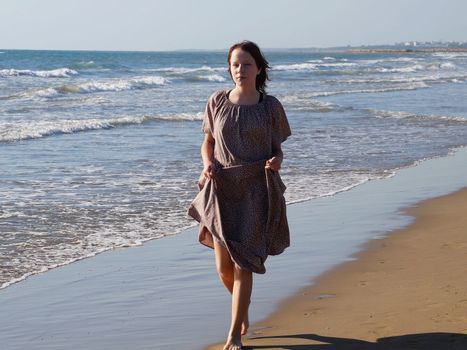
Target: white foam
(385,60)
(295,67)
(447,65)
(408,69)
(329,184)
(403,79)
(185,70)
(212,77)
(303,102)
(91,246)
(311,66)
(450,55)
(54,73)
(13,214)
(114,85)
(338,64)
(415,116)
(414,86)
(10,132)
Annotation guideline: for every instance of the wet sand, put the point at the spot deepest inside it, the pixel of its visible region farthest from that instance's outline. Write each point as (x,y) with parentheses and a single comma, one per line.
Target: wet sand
(166,294)
(405,291)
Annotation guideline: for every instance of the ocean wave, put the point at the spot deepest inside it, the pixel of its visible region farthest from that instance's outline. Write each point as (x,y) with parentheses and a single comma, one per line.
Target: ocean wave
(86,64)
(338,64)
(366,66)
(308,104)
(447,65)
(54,73)
(312,66)
(185,70)
(414,86)
(11,132)
(97,86)
(433,66)
(408,69)
(450,55)
(402,79)
(295,67)
(415,116)
(391,59)
(212,77)
(203,73)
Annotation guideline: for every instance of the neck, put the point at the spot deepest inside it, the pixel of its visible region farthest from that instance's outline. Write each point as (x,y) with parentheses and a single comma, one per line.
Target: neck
(245,90)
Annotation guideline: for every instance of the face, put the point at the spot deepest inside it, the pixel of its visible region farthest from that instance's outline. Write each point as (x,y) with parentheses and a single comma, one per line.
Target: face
(243,68)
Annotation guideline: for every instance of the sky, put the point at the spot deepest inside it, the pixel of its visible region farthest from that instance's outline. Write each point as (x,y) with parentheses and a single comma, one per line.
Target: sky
(162,25)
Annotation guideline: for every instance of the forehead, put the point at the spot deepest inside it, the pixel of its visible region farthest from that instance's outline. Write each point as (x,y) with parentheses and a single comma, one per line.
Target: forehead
(239,55)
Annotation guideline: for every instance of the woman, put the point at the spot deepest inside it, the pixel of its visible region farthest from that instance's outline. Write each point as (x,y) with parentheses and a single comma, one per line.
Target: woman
(240,206)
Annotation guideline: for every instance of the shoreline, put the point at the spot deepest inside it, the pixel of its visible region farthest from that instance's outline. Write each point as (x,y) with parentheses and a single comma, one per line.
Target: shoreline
(408,50)
(391,172)
(406,290)
(141,297)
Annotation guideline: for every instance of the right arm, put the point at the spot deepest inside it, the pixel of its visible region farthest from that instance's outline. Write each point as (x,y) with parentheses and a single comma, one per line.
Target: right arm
(207,153)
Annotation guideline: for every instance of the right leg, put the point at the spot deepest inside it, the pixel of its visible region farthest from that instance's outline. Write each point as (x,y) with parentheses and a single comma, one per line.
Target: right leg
(224,266)
(226,270)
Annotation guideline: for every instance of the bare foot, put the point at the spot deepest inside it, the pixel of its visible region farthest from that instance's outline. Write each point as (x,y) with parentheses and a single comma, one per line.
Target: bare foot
(245,325)
(233,343)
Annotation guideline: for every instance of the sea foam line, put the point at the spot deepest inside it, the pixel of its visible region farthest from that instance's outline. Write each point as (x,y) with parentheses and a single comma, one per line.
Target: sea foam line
(115,85)
(415,116)
(311,66)
(415,86)
(11,132)
(402,79)
(54,73)
(185,70)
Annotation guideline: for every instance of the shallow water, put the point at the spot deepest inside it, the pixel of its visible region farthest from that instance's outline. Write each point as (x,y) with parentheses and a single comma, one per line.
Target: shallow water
(101,149)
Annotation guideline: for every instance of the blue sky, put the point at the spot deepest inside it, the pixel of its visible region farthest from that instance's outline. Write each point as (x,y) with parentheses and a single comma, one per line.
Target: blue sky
(215,24)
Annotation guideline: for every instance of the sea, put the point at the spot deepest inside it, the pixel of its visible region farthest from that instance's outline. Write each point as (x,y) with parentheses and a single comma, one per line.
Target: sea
(101,150)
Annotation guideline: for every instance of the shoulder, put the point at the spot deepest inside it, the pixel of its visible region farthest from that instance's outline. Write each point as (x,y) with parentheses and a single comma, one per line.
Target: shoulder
(274,104)
(216,96)
(273,101)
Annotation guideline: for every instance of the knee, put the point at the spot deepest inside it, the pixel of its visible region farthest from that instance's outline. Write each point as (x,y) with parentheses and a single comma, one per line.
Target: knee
(239,271)
(225,271)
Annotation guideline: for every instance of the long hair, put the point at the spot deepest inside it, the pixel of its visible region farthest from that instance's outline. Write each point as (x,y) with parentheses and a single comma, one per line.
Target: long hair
(260,60)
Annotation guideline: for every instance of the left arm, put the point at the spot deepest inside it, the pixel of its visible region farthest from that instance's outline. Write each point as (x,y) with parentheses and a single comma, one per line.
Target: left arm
(280,132)
(277,156)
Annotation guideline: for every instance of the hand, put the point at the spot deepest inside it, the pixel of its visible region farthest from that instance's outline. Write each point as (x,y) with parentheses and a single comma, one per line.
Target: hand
(274,163)
(209,170)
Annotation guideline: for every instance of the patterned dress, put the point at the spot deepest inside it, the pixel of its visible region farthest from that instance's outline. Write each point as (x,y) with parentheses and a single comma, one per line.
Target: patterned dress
(243,206)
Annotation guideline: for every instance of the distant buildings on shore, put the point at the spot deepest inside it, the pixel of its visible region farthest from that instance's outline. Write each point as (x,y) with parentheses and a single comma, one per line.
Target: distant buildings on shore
(432,44)
(412,46)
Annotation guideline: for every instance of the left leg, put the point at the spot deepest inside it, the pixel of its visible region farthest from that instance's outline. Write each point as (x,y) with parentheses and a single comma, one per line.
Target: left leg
(226,270)
(241,294)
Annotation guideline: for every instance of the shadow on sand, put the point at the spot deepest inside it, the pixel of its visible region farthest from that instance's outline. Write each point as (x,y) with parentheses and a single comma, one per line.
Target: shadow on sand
(422,341)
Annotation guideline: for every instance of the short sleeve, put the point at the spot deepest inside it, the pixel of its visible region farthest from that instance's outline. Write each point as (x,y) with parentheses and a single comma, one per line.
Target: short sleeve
(208,118)
(280,125)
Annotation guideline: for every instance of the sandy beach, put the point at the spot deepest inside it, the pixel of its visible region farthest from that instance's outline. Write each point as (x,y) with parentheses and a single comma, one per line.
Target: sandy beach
(143,297)
(405,291)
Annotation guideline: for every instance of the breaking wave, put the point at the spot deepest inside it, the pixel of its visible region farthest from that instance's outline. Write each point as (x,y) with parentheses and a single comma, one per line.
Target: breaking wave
(54,73)
(11,132)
